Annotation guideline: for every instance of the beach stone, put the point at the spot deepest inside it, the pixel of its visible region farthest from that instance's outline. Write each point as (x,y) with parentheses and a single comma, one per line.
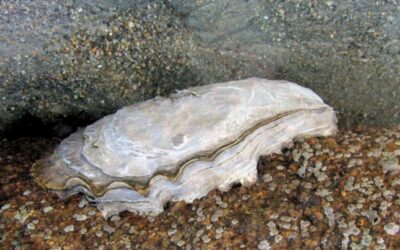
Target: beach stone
(69,228)
(67,63)
(391,228)
(47,209)
(264,245)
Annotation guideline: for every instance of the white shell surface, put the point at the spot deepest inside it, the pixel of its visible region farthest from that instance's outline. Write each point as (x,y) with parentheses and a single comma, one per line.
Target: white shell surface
(182,147)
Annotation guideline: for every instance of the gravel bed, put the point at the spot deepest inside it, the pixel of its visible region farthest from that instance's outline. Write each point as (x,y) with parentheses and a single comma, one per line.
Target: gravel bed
(321,193)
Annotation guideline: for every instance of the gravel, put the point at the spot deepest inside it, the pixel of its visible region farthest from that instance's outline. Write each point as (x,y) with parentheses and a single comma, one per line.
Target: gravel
(354,207)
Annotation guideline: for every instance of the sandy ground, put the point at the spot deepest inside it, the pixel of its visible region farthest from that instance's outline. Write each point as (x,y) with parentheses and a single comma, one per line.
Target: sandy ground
(322,193)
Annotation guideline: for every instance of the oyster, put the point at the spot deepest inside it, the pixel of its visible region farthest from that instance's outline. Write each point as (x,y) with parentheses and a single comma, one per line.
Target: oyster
(184,146)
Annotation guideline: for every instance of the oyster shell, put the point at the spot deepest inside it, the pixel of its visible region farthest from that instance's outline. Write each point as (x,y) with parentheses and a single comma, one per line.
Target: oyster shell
(182,147)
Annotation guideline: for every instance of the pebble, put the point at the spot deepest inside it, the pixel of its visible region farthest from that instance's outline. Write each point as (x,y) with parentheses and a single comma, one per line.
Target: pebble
(339,156)
(285,218)
(31,226)
(245,197)
(390,164)
(108,229)
(132,230)
(29,203)
(395,182)
(22,215)
(272,187)
(391,228)
(278,238)
(264,245)
(180,243)
(171,231)
(219,230)
(80,217)
(305,223)
(5,207)
(115,218)
(69,228)
(272,228)
(366,238)
(372,216)
(352,230)
(82,203)
(234,222)
(216,215)
(205,238)
(267,178)
(280,168)
(26,192)
(223,204)
(199,233)
(322,192)
(320,176)
(330,215)
(47,209)
(301,172)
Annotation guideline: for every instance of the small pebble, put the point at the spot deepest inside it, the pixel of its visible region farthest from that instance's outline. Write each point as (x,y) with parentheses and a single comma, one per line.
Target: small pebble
(47,209)
(267,178)
(80,217)
(180,243)
(115,218)
(245,197)
(280,168)
(234,222)
(205,238)
(5,207)
(264,245)
(272,228)
(69,228)
(171,231)
(29,203)
(31,226)
(108,229)
(82,203)
(26,192)
(391,228)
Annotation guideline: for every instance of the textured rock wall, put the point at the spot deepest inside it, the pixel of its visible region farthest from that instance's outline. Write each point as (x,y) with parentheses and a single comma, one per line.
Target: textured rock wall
(70,61)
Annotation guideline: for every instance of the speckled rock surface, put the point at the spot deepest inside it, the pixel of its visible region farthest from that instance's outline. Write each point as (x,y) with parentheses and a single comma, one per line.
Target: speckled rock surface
(64,61)
(346,51)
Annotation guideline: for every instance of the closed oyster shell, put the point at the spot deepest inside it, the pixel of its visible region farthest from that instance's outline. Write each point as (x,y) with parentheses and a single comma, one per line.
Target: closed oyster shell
(182,147)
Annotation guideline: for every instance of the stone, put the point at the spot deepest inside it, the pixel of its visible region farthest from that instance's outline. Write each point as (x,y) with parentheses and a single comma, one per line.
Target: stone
(391,228)
(52,69)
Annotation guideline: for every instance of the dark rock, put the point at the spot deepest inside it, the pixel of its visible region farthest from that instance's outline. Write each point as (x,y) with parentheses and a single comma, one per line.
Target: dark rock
(70,60)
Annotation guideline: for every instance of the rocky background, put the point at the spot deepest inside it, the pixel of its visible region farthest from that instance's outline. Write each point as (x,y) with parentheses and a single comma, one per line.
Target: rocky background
(65,63)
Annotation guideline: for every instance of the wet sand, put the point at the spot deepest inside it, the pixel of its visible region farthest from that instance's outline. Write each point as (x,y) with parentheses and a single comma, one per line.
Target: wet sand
(322,193)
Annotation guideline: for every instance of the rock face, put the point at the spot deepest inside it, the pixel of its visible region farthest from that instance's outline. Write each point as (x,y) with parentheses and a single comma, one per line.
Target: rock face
(66,61)
(182,147)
